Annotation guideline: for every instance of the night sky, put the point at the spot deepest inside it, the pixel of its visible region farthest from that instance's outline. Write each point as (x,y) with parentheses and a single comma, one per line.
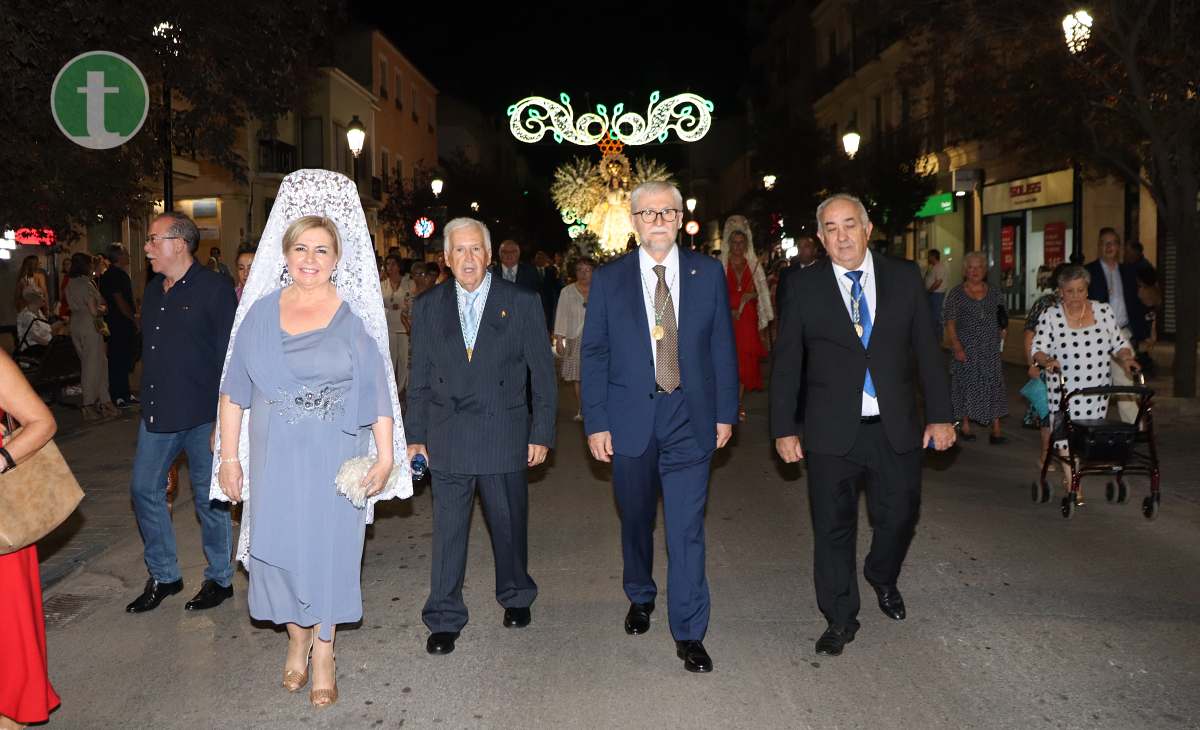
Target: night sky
(597,52)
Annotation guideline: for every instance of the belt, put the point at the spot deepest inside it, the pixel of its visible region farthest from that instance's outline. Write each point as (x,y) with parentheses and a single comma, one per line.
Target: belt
(870,419)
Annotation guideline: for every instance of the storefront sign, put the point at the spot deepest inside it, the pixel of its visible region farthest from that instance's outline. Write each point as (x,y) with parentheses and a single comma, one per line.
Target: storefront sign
(1054,188)
(35,236)
(99,100)
(1055,240)
(937,205)
(1008,241)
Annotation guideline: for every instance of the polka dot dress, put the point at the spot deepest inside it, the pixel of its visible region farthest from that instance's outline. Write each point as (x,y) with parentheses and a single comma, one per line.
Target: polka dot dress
(1084,354)
(977,386)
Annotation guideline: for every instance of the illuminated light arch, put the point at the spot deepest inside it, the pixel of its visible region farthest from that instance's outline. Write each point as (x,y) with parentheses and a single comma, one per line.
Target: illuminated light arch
(688,115)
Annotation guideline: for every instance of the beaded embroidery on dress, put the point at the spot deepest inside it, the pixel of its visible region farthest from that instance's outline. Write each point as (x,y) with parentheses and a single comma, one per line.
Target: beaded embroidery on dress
(329,194)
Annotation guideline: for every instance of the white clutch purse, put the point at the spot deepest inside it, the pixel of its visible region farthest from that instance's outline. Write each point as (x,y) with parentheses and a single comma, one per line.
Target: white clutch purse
(350,475)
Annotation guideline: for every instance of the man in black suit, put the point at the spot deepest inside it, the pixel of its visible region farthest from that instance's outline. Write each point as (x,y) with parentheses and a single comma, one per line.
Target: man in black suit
(468,415)
(1115,283)
(856,336)
(515,271)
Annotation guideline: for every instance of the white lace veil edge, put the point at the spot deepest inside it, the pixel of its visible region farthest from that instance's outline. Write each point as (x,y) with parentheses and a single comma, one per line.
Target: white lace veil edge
(738,224)
(334,196)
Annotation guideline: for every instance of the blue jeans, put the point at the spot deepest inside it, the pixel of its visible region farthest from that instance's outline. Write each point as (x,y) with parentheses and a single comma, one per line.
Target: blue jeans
(155,452)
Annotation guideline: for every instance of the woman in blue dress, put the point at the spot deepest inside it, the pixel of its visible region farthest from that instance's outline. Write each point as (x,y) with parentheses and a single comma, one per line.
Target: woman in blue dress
(316,386)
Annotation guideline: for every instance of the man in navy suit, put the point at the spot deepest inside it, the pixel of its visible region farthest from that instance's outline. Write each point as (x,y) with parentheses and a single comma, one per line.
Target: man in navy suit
(660,395)
(468,415)
(515,271)
(1115,283)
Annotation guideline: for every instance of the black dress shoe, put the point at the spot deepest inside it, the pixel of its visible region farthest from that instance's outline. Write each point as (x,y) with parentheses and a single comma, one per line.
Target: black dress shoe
(890,602)
(153,594)
(995,440)
(695,659)
(966,436)
(637,621)
(517,618)
(834,640)
(441,642)
(210,595)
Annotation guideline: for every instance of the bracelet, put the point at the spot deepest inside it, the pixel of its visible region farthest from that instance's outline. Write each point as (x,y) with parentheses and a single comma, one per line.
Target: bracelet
(9,463)
(229,461)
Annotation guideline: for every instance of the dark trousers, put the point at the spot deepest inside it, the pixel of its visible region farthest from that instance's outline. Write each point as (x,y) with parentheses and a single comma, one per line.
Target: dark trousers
(505,500)
(893,487)
(120,357)
(675,464)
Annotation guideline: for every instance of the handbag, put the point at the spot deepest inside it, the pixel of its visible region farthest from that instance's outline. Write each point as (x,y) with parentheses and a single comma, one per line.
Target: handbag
(350,475)
(1034,391)
(36,497)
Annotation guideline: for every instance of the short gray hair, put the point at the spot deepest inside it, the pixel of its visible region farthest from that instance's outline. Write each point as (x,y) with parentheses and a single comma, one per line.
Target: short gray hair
(971,255)
(1073,272)
(457,223)
(182,227)
(863,219)
(655,186)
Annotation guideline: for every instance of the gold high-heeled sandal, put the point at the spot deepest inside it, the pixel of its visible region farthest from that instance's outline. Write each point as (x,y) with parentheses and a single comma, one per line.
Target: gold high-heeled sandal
(322,698)
(294,681)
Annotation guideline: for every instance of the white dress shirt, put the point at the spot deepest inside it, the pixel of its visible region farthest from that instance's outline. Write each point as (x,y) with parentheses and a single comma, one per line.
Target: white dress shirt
(1116,292)
(510,274)
(484,289)
(646,266)
(870,404)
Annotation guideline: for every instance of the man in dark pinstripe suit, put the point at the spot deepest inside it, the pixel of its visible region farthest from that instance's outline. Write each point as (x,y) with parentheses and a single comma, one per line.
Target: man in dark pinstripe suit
(476,341)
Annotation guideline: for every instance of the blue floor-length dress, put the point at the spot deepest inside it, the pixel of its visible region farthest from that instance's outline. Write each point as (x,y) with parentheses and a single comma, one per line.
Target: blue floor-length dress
(312,398)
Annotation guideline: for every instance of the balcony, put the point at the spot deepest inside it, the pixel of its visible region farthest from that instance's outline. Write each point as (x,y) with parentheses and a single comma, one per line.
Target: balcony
(276,157)
(377,188)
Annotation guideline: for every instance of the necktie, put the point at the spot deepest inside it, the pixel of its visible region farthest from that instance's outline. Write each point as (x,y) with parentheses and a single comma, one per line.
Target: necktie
(471,319)
(666,370)
(864,319)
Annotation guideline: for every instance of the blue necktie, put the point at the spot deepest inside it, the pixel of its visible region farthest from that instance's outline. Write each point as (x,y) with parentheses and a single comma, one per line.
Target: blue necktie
(864,318)
(470,316)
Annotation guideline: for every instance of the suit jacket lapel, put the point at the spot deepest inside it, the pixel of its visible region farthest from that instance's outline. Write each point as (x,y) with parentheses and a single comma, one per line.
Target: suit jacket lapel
(489,321)
(454,337)
(687,290)
(641,327)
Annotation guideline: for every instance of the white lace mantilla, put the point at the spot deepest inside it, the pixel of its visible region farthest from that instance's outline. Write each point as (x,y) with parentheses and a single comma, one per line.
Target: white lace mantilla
(329,194)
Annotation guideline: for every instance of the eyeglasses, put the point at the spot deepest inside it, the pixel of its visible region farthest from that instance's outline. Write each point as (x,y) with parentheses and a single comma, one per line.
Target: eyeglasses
(649,214)
(154,238)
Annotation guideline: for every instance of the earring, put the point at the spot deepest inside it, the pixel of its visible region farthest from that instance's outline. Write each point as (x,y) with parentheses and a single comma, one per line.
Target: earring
(285,278)
(333,276)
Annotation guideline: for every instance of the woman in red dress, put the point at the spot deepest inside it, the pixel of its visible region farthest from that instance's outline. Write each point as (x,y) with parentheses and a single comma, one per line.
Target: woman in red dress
(750,304)
(25,692)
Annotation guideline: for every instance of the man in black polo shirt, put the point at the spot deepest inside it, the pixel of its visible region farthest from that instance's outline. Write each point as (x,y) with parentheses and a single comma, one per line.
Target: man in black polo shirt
(187,312)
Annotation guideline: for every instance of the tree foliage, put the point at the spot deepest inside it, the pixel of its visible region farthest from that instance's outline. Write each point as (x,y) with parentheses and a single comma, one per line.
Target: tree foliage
(234,61)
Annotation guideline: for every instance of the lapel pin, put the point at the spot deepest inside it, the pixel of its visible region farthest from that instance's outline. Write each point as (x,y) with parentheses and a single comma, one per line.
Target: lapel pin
(693,272)
(503,313)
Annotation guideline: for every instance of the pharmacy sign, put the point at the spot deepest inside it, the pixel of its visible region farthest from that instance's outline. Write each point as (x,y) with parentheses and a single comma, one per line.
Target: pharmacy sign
(99,100)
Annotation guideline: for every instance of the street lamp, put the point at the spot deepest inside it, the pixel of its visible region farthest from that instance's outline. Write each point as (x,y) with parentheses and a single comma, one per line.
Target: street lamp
(168,36)
(1077,30)
(475,206)
(691,205)
(436,186)
(769,182)
(356,135)
(850,142)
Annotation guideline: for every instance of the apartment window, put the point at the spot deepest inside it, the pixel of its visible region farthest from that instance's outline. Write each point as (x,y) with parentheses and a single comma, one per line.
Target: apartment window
(400,170)
(383,78)
(431,117)
(384,166)
(268,204)
(414,102)
(399,89)
(342,159)
(905,107)
(832,46)
(312,143)
(877,121)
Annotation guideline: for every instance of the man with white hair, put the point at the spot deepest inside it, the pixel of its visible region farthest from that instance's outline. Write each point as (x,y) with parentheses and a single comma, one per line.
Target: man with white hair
(660,396)
(467,415)
(856,337)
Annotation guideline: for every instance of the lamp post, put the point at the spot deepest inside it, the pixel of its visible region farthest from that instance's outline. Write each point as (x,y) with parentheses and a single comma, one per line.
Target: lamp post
(1077,31)
(436,186)
(356,137)
(168,38)
(850,143)
(768,182)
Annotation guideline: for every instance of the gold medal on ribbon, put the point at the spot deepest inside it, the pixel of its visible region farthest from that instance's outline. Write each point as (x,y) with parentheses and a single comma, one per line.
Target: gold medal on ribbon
(470,351)
(858,330)
(658,332)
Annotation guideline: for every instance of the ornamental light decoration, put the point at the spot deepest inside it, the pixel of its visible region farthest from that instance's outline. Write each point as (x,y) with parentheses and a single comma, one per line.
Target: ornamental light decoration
(688,115)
